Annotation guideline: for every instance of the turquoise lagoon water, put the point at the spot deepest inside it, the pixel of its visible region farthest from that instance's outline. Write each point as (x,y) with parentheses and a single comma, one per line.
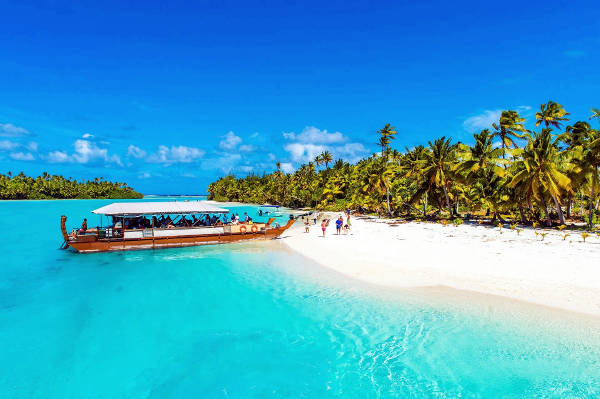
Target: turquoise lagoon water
(256,321)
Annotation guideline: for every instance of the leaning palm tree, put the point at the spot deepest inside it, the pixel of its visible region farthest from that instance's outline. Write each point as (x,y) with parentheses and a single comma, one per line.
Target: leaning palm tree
(509,127)
(551,113)
(538,175)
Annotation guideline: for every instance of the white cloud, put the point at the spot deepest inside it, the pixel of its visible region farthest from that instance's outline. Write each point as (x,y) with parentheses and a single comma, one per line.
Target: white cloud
(144,175)
(312,135)
(271,156)
(32,146)
(300,152)
(482,121)
(22,156)
(246,148)
(487,117)
(230,141)
(10,130)
(351,152)
(86,152)
(58,157)
(313,141)
(176,154)
(246,168)
(135,152)
(87,136)
(254,135)
(287,167)
(6,145)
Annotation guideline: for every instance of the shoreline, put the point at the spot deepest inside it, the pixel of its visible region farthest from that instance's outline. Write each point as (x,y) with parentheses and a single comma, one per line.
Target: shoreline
(555,273)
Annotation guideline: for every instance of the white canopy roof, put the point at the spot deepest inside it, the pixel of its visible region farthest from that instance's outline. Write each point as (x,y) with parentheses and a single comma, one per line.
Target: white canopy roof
(154,208)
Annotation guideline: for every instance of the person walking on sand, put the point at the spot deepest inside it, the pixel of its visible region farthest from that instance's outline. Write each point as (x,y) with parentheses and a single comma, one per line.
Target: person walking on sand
(306,226)
(324,224)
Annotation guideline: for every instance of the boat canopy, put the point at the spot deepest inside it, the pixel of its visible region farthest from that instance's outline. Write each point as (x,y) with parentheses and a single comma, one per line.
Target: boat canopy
(155,208)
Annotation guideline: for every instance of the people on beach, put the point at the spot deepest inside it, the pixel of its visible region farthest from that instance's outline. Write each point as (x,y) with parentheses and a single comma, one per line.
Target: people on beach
(324,225)
(338,225)
(315,217)
(306,226)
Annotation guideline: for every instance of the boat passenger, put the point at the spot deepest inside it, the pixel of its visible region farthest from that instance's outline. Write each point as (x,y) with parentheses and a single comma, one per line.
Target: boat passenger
(225,221)
(246,217)
(83,228)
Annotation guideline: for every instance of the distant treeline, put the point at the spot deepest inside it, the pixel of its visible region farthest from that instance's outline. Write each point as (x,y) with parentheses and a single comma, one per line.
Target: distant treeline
(49,186)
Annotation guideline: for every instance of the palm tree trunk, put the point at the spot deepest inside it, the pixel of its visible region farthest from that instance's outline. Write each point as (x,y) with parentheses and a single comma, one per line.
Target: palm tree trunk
(592,199)
(561,217)
(447,200)
(569,206)
(523,219)
(548,219)
(425,205)
(387,198)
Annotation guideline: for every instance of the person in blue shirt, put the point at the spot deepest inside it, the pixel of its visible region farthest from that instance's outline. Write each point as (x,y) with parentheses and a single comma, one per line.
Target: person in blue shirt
(338,225)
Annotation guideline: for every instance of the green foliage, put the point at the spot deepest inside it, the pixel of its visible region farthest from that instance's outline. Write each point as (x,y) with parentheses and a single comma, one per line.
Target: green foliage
(57,187)
(532,176)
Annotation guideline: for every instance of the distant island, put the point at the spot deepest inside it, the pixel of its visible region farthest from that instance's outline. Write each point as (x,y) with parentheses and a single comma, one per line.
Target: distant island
(509,173)
(46,186)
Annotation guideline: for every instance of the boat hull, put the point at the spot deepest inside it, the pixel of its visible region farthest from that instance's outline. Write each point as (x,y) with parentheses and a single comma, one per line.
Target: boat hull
(173,241)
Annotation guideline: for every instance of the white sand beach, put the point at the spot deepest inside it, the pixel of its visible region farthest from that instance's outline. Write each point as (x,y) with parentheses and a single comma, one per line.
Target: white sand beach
(555,272)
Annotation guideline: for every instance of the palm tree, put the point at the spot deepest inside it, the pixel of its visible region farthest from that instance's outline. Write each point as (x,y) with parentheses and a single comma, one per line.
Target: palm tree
(387,134)
(439,167)
(595,113)
(318,160)
(508,128)
(538,175)
(326,157)
(551,113)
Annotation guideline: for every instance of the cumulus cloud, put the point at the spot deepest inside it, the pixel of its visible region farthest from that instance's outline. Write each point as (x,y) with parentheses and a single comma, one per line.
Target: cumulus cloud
(32,146)
(230,141)
(135,152)
(246,148)
(287,167)
(85,152)
(10,130)
(487,117)
(6,145)
(58,157)
(22,156)
(309,143)
(482,121)
(313,135)
(87,136)
(300,152)
(176,154)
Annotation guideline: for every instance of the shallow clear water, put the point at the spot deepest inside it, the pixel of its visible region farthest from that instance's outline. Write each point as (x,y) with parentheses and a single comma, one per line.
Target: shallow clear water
(254,320)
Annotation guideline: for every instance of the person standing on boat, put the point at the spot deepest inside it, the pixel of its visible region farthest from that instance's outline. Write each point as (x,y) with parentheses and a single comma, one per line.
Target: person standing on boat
(246,217)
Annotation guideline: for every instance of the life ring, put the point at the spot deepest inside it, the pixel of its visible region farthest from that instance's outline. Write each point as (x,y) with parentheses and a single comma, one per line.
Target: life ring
(254,228)
(243,229)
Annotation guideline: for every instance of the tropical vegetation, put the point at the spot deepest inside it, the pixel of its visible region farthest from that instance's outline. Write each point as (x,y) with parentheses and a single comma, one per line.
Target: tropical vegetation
(549,175)
(48,186)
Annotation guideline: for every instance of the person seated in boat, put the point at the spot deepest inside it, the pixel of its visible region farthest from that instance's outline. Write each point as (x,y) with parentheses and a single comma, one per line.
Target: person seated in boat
(83,228)
(213,220)
(154,222)
(225,221)
(249,221)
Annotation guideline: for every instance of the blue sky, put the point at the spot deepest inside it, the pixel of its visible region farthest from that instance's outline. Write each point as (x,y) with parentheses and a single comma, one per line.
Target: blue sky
(167,95)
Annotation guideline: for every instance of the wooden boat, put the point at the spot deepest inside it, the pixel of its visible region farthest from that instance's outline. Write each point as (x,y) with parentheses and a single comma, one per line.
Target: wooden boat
(123,233)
